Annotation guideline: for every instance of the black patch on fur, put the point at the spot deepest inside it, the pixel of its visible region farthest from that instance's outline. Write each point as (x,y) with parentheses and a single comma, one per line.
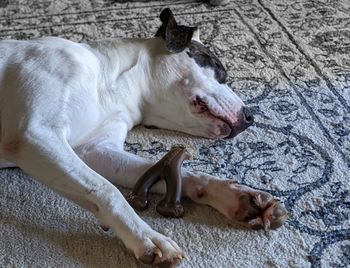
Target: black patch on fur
(177,37)
(205,58)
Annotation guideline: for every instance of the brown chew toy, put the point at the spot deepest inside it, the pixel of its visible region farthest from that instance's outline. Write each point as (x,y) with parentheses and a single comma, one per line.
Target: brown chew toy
(169,169)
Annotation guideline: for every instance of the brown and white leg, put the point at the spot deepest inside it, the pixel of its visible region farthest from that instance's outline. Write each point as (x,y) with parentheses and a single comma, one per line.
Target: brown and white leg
(252,208)
(46,155)
(237,202)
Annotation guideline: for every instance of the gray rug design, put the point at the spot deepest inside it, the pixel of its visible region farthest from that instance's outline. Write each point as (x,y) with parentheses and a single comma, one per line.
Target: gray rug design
(288,60)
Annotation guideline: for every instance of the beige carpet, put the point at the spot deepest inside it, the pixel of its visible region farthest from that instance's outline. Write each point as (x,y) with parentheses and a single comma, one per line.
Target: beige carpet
(289,60)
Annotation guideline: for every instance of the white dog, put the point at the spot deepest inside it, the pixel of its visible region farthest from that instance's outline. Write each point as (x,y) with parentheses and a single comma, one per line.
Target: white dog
(66,109)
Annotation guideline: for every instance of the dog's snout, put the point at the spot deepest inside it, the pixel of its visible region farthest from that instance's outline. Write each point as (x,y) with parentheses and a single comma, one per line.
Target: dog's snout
(247,116)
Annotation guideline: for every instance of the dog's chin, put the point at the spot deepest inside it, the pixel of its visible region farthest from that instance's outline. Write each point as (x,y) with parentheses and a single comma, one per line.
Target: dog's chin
(218,127)
(220,130)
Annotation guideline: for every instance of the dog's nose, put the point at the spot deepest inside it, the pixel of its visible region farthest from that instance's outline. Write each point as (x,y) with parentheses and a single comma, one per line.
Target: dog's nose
(246,119)
(247,116)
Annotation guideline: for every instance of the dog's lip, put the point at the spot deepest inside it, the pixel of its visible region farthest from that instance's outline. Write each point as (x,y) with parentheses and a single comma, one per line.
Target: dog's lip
(207,110)
(226,122)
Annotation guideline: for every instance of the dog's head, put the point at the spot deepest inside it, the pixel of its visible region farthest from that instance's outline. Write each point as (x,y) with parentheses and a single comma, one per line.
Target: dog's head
(190,90)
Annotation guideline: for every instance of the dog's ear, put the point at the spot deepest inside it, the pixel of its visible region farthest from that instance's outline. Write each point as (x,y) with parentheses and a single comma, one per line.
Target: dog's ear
(177,37)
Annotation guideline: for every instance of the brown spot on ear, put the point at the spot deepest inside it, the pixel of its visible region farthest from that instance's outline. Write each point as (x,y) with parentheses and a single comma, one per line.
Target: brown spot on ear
(12,147)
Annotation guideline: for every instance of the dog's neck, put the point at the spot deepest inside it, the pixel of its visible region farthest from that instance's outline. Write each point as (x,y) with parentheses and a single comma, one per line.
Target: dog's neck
(127,80)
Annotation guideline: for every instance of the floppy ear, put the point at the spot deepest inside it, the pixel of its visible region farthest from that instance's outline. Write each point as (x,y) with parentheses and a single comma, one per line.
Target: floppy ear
(177,37)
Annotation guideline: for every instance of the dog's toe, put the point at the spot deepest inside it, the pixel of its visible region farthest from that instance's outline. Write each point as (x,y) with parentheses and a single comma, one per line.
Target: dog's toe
(161,251)
(252,208)
(260,210)
(274,215)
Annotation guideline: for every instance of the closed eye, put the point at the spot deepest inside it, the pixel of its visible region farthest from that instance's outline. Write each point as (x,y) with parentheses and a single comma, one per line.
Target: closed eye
(201,104)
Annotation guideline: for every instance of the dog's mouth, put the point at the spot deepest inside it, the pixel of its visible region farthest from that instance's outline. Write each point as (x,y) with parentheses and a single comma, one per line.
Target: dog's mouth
(227,128)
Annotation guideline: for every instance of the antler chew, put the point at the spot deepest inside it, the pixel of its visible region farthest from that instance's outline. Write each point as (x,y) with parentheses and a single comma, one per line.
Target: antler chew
(169,169)
(171,205)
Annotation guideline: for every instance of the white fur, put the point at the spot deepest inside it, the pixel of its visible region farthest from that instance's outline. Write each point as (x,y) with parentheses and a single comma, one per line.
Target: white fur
(66,109)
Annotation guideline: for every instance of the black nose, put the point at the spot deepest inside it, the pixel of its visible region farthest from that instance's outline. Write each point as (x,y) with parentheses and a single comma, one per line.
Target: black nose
(246,119)
(248,116)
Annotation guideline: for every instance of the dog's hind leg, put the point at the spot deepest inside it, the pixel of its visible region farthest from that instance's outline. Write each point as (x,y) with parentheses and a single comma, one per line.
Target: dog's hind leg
(45,154)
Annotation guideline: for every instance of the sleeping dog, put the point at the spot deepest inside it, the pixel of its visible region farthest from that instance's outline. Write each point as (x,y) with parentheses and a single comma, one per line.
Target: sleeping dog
(66,109)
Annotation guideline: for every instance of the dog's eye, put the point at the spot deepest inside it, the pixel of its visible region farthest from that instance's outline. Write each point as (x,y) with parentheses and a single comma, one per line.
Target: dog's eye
(204,109)
(202,105)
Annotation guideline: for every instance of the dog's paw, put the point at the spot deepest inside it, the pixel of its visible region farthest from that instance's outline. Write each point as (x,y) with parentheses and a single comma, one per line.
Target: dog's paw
(251,208)
(158,250)
(257,209)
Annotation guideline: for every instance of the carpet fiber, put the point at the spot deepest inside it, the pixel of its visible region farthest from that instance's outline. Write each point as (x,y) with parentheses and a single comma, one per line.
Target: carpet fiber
(289,60)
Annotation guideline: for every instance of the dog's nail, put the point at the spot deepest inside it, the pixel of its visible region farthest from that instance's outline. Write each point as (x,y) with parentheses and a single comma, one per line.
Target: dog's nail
(158,252)
(186,257)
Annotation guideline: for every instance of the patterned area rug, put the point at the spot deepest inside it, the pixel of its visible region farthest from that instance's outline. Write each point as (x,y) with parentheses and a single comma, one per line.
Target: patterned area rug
(289,60)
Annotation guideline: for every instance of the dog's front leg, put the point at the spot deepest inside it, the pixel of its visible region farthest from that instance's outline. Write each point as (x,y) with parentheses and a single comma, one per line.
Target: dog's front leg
(252,208)
(237,202)
(46,155)
(118,166)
